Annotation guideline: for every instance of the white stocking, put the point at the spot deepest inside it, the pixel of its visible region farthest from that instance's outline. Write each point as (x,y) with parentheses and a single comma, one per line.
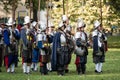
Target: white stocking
(12,67)
(32,65)
(24,67)
(100,67)
(28,69)
(8,70)
(36,66)
(97,67)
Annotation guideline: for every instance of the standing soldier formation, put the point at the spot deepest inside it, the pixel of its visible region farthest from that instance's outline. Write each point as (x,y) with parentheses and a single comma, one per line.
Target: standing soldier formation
(40,42)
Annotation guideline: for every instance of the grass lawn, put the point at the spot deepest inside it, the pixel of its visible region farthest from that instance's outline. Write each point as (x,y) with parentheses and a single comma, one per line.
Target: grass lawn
(114,41)
(111,70)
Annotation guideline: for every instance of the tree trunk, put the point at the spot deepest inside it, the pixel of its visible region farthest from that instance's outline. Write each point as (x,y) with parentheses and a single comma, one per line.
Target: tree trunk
(13,15)
(63,7)
(35,14)
(101,12)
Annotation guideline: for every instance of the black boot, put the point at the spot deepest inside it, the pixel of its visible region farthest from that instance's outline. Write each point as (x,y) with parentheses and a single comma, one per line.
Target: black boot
(45,69)
(79,69)
(83,67)
(60,71)
(66,70)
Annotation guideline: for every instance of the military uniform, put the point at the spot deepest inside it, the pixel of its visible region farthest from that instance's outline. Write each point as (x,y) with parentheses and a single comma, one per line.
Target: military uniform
(26,43)
(44,46)
(81,50)
(35,51)
(69,40)
(10,57)
(98,47)
(50,35)
(59,51)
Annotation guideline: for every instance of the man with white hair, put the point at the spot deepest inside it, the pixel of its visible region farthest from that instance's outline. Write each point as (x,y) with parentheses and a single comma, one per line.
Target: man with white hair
(98,46)
(81,50)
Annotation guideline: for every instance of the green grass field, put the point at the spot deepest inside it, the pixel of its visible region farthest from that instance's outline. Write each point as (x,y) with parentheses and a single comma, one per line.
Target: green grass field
(114,41)
(111,70)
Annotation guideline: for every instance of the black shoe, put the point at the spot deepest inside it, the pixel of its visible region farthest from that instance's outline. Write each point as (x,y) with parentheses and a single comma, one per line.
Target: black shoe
(32,69)
(78,73)
(13,72)
(45,73)
(96,71)
(61,74)
(25,72)
(83,72)
(66,71)
(28,73)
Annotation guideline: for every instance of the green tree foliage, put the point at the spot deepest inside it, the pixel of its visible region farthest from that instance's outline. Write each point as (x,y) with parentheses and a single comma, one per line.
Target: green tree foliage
(115,4)
(34,6)
(89,11)
(10,6)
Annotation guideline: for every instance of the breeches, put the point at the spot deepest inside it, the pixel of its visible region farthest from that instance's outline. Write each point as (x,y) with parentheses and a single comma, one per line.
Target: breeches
(97,59)
(27,56)
(62,59)
(10,59)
